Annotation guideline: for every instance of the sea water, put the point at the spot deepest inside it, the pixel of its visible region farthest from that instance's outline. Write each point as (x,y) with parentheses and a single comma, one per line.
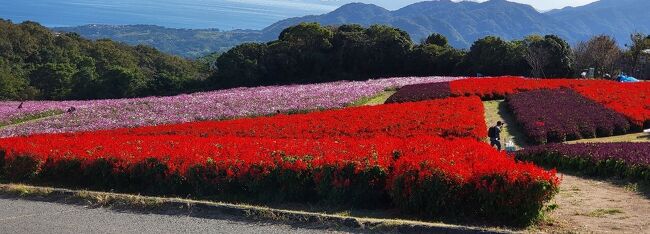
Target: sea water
(221,14)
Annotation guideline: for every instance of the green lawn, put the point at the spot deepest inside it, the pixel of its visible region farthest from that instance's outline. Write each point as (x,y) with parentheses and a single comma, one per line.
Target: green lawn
(31,117)
(636,137)
(374,100)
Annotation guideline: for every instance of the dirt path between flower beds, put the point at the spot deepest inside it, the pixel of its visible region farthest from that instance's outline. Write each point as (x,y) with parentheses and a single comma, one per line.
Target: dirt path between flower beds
(590,205)
(498,111)
(584,205)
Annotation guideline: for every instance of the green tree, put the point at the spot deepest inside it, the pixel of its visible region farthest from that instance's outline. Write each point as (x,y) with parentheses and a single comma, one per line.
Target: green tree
(301,54)
(308,35)
(390,47)
(64,65)
(121,82)
(351,50)
(241,66)
(601,53)
(54,80)
(637,59)
(11,86)
(85,80)
(432,59)
(489,56)
(560,57)
(436,39)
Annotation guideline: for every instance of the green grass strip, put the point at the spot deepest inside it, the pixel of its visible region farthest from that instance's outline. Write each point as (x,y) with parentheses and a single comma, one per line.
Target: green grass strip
(31,117)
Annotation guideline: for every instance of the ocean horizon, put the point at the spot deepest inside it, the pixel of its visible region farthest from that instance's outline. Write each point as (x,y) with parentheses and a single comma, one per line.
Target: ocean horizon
(198,14)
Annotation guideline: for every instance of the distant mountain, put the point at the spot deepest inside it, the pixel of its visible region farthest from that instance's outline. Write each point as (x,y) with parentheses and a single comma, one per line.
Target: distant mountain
(189,43)
(462,22)
(618,18)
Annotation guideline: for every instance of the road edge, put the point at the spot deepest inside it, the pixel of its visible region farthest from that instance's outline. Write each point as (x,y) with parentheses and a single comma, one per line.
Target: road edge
(206,209)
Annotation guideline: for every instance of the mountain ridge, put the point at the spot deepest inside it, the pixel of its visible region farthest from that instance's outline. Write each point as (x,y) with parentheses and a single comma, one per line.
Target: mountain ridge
(461,22)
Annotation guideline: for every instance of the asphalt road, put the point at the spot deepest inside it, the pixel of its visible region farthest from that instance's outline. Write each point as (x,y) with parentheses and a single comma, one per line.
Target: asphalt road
(25,216)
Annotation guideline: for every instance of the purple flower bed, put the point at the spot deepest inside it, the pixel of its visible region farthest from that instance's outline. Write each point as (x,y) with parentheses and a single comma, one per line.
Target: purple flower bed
(421,92)
(558,115)
(628,160)
(222,104)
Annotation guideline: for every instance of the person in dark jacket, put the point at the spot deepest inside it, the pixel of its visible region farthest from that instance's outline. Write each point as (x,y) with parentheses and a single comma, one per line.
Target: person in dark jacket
(495,135)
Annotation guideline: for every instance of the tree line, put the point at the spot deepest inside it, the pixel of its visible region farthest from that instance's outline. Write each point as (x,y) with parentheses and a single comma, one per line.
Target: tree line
(36,63)
(309,53)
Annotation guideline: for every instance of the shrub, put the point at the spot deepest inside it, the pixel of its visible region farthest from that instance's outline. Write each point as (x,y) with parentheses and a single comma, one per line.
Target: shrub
(500,87)
(421,92)
(561,114)
(625,160)
(21,168)
(424,175)
(629,99)
(464,178)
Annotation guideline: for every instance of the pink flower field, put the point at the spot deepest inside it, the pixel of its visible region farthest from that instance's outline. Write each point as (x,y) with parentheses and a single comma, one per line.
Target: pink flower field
(222,104)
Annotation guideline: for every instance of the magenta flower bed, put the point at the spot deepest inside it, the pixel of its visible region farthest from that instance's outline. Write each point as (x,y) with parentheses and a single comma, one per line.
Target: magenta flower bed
(222,104)
(421,92)
(626,159)
(558,115)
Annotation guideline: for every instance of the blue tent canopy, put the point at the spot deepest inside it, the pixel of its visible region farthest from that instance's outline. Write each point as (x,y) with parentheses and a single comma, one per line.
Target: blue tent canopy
(624,78)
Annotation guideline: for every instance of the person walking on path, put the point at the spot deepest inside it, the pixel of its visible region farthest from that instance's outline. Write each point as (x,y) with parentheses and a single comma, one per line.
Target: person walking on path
(495,135)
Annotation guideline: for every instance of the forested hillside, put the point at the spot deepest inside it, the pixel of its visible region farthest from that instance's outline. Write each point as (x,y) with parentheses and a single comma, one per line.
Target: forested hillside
(190,43)
(36,63)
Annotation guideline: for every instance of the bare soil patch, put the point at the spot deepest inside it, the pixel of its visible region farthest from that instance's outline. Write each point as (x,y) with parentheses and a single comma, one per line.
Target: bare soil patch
(598,206)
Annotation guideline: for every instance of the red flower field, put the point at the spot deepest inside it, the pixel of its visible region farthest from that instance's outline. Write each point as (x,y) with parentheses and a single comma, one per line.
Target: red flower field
(499,87)
(345,170)
(448,118)
(629,99)
(390,154)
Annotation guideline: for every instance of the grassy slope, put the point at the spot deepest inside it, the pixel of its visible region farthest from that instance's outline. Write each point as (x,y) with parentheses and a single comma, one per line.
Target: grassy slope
(32,117)
(636,137)
(374,100)
(498,111)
